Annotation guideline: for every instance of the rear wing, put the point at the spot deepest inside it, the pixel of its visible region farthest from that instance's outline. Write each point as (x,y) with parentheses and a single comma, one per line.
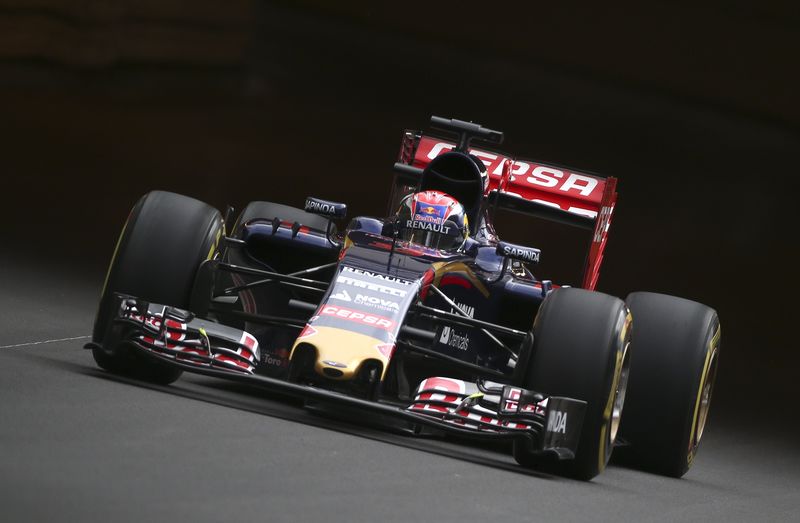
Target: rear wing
(530,187)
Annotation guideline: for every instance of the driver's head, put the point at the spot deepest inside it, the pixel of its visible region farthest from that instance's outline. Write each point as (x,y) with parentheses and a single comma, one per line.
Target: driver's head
(433,219)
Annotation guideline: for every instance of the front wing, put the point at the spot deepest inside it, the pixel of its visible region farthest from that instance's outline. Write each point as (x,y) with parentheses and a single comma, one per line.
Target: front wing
(482,410)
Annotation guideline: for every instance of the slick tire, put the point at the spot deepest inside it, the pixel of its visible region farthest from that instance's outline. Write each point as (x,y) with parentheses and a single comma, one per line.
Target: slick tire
(165,239)
(675,345)
(580,350)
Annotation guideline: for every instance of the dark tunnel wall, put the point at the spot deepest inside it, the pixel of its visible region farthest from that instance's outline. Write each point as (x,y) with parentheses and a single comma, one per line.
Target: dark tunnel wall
(733,54)
(103,102)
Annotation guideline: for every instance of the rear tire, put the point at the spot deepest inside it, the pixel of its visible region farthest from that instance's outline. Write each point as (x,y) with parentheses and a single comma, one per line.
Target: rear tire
(165,239)
(580,351)
(676,344)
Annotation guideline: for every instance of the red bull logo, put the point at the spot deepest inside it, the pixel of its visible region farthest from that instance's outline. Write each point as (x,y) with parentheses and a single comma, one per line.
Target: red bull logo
(430,213)
(427,218)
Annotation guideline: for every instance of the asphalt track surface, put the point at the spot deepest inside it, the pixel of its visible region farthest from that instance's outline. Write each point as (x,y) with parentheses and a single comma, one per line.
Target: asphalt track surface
(77,444)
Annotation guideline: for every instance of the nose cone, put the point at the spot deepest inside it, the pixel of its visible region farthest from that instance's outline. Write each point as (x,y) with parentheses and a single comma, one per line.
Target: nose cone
(341,353)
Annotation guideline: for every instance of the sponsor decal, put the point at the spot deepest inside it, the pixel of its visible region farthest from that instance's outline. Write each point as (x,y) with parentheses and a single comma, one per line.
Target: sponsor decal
(428,219)
(374,302)
(560,188)
(518,252)
(551,177)
(376,275)
(360,279)
(537,175)
(457,340)
(557,422)
(316,206)
(430,213)
(377,303)
(426,226)
(277,358)
(357,317)
(361,284)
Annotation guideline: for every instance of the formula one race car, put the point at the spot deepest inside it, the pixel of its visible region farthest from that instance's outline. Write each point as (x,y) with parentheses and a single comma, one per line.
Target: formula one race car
(425,317)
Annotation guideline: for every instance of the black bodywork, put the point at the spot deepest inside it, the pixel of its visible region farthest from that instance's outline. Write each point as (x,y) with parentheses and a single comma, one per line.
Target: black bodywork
(485,285)
(469,315)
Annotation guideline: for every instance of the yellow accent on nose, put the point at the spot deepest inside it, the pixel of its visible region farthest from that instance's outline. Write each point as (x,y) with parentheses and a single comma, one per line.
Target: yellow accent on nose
(350,349)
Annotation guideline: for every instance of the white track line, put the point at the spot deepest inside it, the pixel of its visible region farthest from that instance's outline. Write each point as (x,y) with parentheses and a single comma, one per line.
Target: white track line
(42,342)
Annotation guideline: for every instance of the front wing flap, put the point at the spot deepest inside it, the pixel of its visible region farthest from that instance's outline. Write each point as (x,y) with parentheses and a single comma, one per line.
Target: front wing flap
(180,336)
(492,407)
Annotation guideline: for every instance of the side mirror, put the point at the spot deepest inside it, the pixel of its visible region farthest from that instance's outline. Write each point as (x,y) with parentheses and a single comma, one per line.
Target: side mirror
(518,252)
(325,208)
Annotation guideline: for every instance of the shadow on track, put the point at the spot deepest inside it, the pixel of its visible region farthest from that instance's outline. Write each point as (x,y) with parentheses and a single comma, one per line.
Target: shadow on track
(256,401)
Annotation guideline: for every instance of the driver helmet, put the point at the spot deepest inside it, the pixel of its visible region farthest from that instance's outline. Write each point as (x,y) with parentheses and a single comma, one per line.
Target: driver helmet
(433,219)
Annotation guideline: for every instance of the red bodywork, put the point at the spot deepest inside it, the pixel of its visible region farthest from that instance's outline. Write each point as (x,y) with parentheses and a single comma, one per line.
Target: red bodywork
(578,193)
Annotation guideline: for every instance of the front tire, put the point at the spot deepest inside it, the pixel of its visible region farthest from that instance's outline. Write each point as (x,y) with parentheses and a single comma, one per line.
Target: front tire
(676,352)
(580,350)
(165,239)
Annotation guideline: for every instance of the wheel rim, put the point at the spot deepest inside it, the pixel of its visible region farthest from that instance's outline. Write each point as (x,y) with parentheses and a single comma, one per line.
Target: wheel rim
(619,396)
(705,397)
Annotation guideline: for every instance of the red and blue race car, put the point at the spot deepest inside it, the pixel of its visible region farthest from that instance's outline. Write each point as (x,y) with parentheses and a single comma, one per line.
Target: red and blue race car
(426,316)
